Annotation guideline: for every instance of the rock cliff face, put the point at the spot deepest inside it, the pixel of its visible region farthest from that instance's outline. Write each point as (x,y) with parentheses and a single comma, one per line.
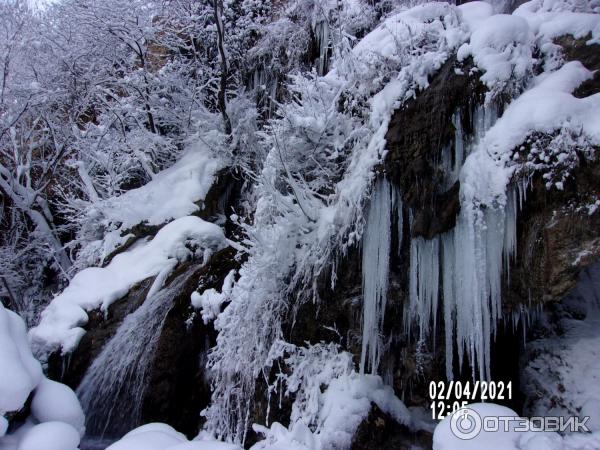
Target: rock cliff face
(558,235)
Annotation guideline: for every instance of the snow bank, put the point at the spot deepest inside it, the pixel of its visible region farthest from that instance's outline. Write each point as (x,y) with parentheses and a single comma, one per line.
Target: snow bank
(159,436)
(173,193)
(444,438)
(20,373)
(95,287)
(561,376)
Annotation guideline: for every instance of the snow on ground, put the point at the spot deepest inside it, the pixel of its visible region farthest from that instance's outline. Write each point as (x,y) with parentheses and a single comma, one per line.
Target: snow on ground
(57,421)
(97,287)
(563,376)
(158,436)
(56,402)
(173,193)
(510,438)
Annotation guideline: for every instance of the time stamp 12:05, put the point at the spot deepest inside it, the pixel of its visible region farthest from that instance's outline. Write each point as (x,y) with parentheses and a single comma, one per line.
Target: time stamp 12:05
(448,397)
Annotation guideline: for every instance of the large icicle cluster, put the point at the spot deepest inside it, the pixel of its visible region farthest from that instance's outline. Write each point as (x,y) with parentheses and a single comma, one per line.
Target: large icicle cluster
(375,272)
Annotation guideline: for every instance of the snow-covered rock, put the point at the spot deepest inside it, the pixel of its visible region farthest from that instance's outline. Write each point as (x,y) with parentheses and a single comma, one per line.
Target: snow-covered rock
(56,402)
(50,436)
(98,287)
(20,372)
(175,192)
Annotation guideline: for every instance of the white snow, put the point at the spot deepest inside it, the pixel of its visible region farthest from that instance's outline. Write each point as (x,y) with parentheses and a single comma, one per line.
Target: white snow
(551,19)
(50,436)
(444,438)
(502,46)
(20,373)
(375,272)
(390,65)
(210,300)
(565,369)
(56,402)
(345,403)
(53,404)
(511,438)
(96,287)
(173,193)
(159,436)
(473,13)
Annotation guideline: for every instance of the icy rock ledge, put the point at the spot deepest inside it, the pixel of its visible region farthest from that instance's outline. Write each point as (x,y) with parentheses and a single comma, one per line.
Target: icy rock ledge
(98,287)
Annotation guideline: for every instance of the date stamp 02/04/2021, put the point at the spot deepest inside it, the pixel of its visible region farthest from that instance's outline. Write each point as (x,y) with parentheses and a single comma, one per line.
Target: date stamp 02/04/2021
(452,399)
(448,397)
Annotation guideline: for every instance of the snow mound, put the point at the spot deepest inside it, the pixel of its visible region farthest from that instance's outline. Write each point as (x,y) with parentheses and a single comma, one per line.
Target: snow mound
(50,436)
(473,13)
(54,405)
(173,193)
(96,287)
(159,436)
(56,402)
(502,46)
(20,373)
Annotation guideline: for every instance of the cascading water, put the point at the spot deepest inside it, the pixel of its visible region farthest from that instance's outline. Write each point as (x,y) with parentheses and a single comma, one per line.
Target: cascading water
(375,269)
(113,387)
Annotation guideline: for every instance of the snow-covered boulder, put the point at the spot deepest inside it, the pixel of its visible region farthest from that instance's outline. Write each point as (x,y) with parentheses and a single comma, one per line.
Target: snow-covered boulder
(50,436)
(56,402)
(20,372)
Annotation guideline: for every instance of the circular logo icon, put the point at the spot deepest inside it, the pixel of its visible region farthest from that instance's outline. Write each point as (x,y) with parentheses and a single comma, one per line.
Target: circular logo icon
(465,424)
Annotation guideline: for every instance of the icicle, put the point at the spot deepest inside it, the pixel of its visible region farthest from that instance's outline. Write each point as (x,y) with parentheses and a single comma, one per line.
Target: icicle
(423,283)
(321,29)
(375,273)
(449,298)
(397,202)
(454,157)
